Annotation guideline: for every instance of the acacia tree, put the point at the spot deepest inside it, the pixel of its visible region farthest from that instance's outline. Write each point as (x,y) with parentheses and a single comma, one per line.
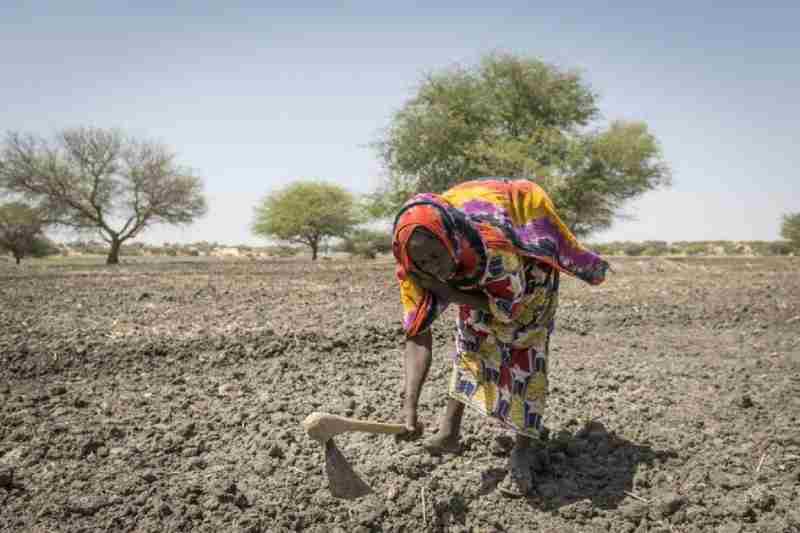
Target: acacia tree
(518,117)
(101,180)
(306,212)
(790,228)
(21,230)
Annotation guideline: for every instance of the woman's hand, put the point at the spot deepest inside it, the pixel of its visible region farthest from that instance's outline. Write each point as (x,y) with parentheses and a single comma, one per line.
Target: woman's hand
(413,428)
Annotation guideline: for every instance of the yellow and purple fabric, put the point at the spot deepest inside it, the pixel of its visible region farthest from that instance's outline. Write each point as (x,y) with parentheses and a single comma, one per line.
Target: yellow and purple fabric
(509,243)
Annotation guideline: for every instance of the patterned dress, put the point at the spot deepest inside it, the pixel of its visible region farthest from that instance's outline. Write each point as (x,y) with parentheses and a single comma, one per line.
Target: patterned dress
(500,363)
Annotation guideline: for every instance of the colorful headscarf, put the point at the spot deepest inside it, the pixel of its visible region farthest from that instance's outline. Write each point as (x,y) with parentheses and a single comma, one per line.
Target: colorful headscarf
(418,216)
(515,215)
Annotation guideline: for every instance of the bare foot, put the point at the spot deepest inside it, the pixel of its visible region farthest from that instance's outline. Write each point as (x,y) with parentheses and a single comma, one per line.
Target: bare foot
(442,443)
(519,481)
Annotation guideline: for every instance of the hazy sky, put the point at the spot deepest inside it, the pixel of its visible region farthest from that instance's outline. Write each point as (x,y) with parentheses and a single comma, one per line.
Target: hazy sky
(257,94)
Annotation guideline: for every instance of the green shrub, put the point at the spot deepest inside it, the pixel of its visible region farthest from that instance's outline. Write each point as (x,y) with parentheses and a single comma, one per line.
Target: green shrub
(602,249)
(366,243)
(43,247)
(780,248)
(282,250)
(655,248)
(635,249)
(696,249)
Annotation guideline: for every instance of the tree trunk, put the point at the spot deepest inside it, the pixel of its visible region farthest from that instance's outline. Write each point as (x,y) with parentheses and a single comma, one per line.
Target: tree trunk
(314,247)
(18,258)
(113,254)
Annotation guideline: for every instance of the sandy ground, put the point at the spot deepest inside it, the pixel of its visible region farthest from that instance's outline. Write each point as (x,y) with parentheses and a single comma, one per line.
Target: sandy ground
(167,397)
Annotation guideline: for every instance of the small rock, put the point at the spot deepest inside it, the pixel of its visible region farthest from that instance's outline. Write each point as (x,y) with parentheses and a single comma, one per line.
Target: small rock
(80,403)
(58,390)
(746,402)
(144,296)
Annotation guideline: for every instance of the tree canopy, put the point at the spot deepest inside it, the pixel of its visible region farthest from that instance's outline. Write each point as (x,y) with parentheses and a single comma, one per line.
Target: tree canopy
(22,231)
(522,118)
(306,212)
(100,180)
(790,228)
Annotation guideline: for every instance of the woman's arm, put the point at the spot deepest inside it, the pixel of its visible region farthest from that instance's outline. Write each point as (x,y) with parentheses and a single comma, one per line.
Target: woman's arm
(416,364)
(474,299)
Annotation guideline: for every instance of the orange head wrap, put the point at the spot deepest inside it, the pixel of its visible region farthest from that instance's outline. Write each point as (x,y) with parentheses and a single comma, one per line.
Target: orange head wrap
(418,216)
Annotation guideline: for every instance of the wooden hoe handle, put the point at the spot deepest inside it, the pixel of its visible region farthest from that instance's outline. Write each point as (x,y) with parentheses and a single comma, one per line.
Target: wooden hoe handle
(324,426)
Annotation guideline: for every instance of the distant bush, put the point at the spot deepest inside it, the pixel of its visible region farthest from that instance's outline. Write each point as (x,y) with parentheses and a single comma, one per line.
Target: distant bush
(655,248)
(282,250)
(43,247)
(780,248)
(635,249)
(603,249)
(366,243)
(695,249)
(89,247)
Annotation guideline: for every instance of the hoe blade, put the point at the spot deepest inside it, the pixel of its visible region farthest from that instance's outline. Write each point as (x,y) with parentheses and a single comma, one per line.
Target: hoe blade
(343,481)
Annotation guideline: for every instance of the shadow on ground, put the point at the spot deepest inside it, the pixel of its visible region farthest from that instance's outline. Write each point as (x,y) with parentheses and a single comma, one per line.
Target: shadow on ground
(592,465)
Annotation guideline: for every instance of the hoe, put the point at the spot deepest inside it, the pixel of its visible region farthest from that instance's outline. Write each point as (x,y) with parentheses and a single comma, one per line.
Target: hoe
(342,479)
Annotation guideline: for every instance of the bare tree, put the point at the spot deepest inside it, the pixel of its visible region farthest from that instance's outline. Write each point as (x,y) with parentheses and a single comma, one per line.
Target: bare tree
(92,179)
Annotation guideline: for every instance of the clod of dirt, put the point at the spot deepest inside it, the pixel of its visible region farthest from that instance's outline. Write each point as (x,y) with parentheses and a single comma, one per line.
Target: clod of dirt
(634,511)
(89,447)
(6,477)
(501,445)
(86,505)
(149,477)
(670,503)
(276,451)
(187,430)
(229,389)
(729,527)
(746,402)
